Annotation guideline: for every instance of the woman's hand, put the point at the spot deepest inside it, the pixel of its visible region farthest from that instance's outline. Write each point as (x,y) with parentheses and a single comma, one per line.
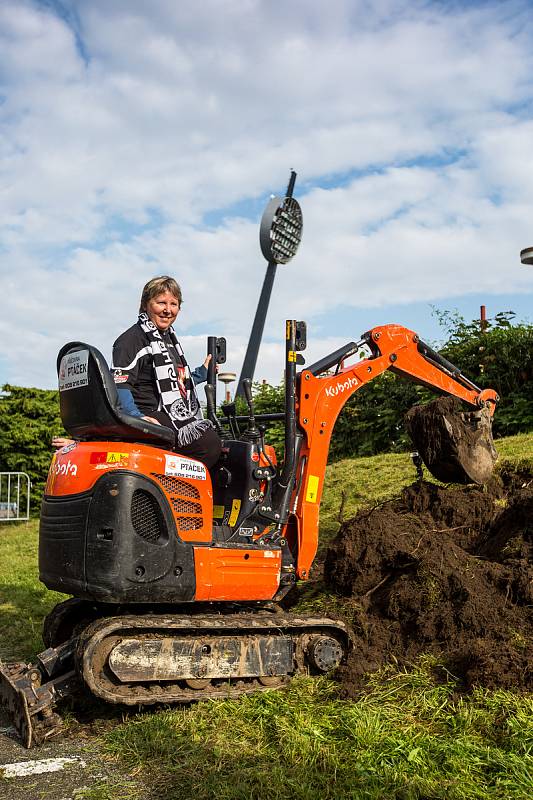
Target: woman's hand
(207,360)
(61,441)
(151,419)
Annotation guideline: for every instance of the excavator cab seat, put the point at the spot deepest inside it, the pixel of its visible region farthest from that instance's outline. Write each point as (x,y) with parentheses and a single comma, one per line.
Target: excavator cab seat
(89,404)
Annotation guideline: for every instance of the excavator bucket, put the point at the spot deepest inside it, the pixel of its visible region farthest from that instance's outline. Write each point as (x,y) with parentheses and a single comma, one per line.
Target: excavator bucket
(29,692)
(28,704)
(455,445)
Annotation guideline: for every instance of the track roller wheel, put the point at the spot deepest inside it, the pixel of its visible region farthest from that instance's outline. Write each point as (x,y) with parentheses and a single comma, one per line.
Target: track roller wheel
(198,683)
(270,680)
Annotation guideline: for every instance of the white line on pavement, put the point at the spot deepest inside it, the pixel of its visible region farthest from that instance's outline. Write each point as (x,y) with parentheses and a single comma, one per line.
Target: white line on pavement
(23,768)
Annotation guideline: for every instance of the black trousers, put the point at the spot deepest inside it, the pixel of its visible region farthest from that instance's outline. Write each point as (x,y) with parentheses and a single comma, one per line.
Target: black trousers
(206,449)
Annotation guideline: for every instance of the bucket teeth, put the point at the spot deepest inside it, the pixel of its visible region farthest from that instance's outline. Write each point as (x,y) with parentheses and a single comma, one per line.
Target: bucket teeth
(30,703)
(22,697)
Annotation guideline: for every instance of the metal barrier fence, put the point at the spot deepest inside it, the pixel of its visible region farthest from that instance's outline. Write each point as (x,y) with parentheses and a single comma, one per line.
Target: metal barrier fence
(14,496)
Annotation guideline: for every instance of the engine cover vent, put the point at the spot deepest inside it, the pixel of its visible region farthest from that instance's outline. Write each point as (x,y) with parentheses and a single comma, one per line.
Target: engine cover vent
(189,523)
(185,506)
(176,486)
(146,517)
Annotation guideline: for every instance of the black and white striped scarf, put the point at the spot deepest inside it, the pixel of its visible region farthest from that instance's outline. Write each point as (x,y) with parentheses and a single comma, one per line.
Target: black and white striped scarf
(177,394)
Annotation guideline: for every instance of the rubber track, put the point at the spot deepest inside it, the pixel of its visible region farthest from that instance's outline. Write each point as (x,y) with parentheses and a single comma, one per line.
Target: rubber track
(98,639)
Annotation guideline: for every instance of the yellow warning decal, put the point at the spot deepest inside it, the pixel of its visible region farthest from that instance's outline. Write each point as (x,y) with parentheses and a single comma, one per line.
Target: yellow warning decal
(218,512)
(312,489)
(288,329)
(235,508)
(291,355)
(116,458)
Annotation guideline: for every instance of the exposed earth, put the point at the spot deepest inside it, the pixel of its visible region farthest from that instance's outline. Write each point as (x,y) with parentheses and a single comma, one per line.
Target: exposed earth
(443,570)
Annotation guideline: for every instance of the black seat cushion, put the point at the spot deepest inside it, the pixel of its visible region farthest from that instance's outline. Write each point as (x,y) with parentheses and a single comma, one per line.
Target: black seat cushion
(89,403)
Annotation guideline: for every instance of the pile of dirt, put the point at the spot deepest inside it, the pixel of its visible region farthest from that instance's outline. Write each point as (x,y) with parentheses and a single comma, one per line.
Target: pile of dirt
(446,571)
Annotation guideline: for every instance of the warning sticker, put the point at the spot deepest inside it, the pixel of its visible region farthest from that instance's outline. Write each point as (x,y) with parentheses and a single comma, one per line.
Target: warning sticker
(235,508)
(116,458)
(185,468)
(109,458)
(218,512)
(73,370)
(312,489)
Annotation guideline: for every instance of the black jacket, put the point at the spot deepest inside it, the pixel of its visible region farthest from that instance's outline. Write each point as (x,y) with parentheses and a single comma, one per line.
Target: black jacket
(134,374)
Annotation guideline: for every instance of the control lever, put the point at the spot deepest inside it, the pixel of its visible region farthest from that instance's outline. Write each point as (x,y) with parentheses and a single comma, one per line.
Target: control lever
(229,411)
(211,409)
(252,433)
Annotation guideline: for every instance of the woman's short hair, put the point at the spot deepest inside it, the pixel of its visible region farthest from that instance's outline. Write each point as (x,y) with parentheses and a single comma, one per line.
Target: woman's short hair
(159,286)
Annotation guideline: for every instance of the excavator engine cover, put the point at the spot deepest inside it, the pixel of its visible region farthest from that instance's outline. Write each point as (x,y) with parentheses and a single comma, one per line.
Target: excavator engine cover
(455,445)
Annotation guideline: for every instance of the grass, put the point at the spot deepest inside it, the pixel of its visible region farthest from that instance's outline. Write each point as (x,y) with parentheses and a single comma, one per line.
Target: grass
(24,601)
(407,737)
(410,736)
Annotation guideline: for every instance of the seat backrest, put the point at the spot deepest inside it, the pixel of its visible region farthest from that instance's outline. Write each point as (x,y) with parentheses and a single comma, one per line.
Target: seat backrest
(89,403)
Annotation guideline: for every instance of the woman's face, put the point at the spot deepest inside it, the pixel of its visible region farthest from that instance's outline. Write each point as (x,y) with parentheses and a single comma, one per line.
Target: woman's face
(163,310)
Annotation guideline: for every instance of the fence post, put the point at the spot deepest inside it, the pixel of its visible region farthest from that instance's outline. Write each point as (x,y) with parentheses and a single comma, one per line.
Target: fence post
(10,510)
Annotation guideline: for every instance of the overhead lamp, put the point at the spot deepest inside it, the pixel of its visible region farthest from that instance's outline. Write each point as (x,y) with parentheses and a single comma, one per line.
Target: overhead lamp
(526,256)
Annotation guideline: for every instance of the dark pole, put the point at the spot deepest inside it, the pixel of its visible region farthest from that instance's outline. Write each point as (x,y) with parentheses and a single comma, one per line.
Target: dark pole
(483,318)
(254,342)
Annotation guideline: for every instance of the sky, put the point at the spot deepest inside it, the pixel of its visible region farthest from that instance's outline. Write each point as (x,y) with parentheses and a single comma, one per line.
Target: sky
(140,139)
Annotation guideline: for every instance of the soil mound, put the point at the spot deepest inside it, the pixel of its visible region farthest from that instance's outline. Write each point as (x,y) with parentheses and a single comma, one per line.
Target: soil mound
(446,571)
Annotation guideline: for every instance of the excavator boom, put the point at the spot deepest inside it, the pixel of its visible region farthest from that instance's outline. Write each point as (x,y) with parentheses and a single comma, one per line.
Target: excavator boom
(461,450)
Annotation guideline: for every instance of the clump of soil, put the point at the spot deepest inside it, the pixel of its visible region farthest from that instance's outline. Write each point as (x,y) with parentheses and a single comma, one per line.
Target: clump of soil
(446,571)
(455,445)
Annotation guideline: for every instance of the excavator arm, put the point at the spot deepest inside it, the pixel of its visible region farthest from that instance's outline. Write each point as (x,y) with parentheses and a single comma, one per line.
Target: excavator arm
(321,397)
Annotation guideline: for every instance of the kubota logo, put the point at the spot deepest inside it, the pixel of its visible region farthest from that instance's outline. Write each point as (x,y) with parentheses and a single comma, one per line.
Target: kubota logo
(341,387)
(66,469)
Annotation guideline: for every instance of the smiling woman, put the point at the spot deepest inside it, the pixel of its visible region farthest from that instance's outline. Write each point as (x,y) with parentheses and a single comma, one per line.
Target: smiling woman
(153,378)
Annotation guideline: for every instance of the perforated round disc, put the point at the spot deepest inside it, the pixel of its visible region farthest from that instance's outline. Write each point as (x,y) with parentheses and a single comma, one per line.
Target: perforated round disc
(281,230)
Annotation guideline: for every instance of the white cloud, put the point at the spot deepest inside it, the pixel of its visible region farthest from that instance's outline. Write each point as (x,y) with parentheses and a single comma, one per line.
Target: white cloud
(123,125)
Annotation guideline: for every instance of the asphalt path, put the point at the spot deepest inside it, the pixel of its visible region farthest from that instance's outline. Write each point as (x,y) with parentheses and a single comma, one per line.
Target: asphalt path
(58,770)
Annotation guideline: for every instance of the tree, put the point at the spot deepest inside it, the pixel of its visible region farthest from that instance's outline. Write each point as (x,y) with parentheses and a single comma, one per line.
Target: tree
(28,420)
(372,420)
(501,357)
(270,400)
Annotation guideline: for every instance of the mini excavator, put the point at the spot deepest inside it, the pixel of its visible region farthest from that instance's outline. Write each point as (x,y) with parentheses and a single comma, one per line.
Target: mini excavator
(175,571)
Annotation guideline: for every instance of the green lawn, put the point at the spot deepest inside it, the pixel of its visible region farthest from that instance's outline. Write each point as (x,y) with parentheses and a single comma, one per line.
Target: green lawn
(405,738)
(411,735)
(24,602)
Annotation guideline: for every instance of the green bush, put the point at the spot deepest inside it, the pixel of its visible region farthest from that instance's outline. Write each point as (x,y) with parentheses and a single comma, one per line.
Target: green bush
(28,420)
(499,357)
